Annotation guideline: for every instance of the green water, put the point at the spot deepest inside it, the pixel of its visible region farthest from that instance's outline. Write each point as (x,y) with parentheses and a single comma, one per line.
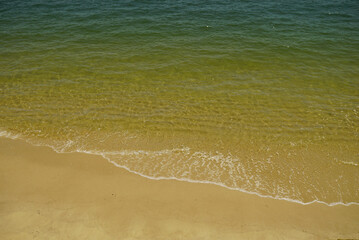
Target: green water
(259,97)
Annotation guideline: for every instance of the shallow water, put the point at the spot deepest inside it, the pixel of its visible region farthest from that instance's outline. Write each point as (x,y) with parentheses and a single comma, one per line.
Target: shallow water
(259,97)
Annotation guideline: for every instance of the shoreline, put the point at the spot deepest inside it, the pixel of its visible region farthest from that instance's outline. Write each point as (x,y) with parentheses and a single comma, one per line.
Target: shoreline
(45,194)
(7,135)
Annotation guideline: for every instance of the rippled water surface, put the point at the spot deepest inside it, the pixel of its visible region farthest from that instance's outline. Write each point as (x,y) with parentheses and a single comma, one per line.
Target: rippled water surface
(259,96)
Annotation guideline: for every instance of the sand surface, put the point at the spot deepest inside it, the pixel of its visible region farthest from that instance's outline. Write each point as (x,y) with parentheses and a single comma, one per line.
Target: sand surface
(48,195)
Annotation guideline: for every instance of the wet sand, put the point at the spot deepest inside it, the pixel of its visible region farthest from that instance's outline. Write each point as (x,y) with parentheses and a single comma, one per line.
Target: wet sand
(48,195)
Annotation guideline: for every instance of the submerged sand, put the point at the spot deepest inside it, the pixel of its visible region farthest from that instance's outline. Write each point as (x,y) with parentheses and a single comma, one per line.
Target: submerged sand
(48,195)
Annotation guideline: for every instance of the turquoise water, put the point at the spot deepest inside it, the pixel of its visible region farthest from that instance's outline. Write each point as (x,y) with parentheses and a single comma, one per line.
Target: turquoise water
(261,97)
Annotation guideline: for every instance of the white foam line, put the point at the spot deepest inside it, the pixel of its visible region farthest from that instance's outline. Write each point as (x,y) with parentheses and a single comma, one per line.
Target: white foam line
(12,136)
(8,135)
(230,188)
(350,163)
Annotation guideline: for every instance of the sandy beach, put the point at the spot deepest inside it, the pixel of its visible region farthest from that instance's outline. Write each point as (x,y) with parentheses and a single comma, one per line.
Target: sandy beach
(48,195)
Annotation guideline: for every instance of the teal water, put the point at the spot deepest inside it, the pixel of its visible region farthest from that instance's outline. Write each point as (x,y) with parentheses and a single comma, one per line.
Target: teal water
(261,97)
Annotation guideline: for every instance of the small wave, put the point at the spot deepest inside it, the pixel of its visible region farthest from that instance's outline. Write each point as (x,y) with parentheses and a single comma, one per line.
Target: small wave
(230,188)
(8,135)
(106,155)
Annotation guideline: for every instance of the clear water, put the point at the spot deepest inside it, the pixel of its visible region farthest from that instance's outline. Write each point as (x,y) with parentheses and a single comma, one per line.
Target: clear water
(260,97)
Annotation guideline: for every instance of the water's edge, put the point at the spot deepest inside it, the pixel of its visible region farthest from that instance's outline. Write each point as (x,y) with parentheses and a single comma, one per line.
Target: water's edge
(5,134)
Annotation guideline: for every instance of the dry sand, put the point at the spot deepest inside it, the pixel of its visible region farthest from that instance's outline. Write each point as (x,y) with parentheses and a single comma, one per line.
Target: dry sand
(47,195)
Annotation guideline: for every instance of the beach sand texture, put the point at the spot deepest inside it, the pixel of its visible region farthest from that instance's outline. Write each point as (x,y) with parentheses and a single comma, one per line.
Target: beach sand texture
(47,195)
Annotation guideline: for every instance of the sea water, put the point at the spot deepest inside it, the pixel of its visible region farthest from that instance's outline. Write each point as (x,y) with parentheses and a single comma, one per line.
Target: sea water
(256,96)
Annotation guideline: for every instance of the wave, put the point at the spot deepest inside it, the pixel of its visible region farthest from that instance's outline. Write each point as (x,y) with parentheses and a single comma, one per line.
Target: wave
(105,155)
